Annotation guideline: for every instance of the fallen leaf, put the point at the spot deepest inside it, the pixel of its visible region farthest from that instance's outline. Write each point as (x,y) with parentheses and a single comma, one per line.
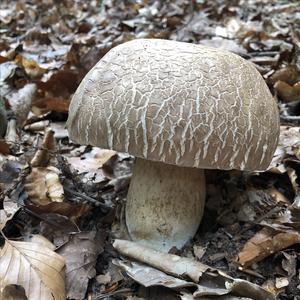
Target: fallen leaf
(57,228)
(43,186)
(37,126)
(4,147)
(281,282)
(13,292)
(104,279)
(209,281)
(60,84)
(199,251)
(81,254)
(91,163)
(148,276)
(31,67)
(289,74)
(35,267)
(21,101)
(264,243)
(286,92)
(8,211)
(42,156)
(71,210)
(288,145)
(44,105)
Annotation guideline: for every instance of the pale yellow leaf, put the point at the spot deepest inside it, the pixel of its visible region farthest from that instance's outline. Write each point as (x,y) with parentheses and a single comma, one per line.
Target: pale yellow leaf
(35,267)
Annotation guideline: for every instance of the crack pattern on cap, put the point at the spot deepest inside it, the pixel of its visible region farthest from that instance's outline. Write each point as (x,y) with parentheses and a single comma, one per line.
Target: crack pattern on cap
(177,103)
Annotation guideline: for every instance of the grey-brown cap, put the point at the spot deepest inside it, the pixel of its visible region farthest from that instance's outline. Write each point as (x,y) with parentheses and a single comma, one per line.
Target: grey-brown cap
(177,103)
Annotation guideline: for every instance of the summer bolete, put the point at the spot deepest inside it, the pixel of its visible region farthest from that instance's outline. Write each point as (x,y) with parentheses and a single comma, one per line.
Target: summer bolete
(178,108)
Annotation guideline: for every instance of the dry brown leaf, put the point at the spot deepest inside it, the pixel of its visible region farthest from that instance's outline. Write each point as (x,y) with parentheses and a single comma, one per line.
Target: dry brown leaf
(81,254)
(4,147)
(35,267)
(92,162)
(60,84)
(209,281)
(199,251)
(264,243)
(44,105)
(71,210)
(286,92)
(42,156)
(21,101)
(31,67)
(13,292)
(3,59)
(290,74)
(43,186)
(288,145)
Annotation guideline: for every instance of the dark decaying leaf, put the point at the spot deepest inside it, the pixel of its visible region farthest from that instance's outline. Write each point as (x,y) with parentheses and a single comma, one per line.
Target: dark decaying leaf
(80,254)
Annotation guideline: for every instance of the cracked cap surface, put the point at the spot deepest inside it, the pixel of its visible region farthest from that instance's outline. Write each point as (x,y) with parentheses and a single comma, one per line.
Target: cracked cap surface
(177,103)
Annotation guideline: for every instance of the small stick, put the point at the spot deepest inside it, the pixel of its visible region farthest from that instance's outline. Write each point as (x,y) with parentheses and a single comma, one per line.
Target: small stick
(121,291)
(261,218)
(251,272)
(87,198)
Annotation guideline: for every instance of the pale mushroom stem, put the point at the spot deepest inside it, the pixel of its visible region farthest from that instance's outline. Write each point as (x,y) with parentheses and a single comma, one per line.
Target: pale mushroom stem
(165,204)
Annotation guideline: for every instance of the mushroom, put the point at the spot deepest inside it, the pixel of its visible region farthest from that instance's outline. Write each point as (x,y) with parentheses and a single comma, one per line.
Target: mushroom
(178,108)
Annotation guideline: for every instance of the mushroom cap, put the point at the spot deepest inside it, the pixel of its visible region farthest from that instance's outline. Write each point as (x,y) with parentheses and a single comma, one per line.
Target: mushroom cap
(178,103)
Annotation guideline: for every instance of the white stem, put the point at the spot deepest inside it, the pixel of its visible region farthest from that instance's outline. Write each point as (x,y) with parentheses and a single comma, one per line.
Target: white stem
(164,204)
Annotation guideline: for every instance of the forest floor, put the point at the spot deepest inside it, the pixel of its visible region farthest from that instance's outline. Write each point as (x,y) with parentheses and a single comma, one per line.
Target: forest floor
(63,204)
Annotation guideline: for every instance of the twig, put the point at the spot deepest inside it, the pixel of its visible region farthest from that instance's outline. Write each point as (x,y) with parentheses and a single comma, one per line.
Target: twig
(121,291)
(273,210)
(87,198)
(23,173)
(251,272)
(290,118)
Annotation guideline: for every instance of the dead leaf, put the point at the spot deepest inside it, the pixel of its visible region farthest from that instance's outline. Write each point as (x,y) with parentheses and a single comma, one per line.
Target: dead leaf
(264,243)
(13,292)
(37,126)
(199,251)
(288,145)
(60,84)
(42,156)
(104,279)
(81,254)
(289,74)
(4,147)
(209,281)
(148,276)
(11,135)
(21,101)
(286,92)
(43,186)
(281,282)
(57,228)
(71,210)
(31,67)
(44,105)
(8,211)
(35,267)
(3,59)
(91,163)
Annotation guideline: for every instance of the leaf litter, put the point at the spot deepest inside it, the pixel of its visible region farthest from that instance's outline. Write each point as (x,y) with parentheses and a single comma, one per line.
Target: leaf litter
(74,195)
